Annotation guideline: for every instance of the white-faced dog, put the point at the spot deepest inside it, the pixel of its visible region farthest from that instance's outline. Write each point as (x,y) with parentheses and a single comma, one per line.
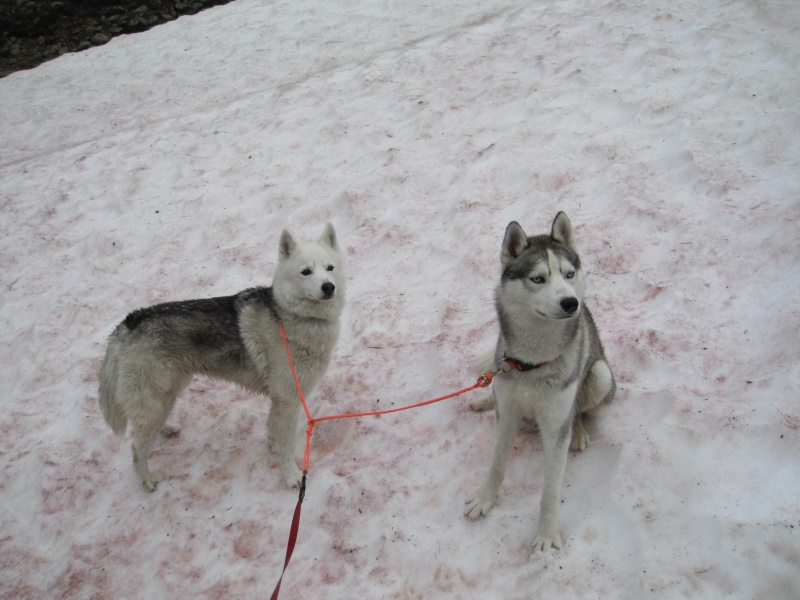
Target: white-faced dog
(555,367)
(153,354)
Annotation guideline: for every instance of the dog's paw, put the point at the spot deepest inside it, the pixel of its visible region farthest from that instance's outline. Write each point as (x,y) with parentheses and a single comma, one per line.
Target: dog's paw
(483,404)
(170,430)
(580,439)
(545,543)
(151,482)
(293,476)
(480,503)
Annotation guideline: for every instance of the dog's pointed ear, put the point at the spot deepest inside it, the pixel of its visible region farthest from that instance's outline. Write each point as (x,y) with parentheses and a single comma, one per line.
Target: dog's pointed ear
(562,231)
(329,236)
(287,245)
(514,243)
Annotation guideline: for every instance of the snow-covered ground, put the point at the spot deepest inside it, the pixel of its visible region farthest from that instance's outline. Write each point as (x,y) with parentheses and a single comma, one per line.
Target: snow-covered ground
(164,165)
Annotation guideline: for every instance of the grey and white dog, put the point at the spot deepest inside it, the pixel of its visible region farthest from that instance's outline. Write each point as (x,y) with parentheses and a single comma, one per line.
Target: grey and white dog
(555,369)
(153,354)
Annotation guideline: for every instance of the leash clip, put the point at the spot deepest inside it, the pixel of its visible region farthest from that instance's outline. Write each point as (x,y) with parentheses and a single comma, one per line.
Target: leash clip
(485,380)
(303,486)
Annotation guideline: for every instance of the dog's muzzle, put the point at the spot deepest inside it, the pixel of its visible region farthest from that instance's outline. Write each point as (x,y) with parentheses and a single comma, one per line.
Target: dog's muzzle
(327,290)
(569,305)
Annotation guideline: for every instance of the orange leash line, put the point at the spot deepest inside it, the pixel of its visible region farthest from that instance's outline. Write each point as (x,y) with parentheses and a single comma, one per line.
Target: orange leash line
(483,381)
(294,373)
(310,430)
(398,409)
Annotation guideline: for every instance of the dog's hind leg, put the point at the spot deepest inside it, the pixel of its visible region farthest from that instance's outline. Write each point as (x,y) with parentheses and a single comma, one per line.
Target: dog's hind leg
(146,426)
(145,430)
(483,404)
(149,404)
(141,447)
(596,392)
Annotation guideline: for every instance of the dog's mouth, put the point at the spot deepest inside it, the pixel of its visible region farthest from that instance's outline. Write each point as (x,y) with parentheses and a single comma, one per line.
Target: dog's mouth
(561,317)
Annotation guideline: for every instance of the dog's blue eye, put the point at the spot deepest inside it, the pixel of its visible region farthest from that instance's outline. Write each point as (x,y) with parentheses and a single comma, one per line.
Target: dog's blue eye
(330,267)
(570,274)
(537,279)
(306,272)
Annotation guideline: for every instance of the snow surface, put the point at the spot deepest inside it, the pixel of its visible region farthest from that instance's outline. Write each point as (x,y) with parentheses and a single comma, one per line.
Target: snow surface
(164,165)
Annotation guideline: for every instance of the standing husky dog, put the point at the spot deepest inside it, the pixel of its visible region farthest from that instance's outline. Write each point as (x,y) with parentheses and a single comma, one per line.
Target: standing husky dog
(153,354)
(555,368)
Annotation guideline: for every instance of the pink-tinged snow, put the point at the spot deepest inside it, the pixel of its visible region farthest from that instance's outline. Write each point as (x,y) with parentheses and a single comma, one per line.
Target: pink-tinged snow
(164,166)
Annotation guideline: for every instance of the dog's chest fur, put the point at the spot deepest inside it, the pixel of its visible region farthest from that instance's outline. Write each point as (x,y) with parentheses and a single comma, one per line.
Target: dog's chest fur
(311,342)
(565,352)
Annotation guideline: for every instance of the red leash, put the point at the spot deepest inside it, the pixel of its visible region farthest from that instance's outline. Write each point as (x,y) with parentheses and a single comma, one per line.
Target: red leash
(292,536)
(483,381)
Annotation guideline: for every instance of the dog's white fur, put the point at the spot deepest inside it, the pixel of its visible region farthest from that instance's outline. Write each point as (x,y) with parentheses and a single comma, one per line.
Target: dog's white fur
(543,322)
(154,353)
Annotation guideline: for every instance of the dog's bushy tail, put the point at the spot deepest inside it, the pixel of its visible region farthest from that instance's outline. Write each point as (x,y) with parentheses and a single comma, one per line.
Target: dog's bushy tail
(107,395)
(485,362)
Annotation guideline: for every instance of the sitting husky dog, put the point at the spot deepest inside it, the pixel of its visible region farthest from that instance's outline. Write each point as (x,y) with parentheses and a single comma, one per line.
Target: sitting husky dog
(555,369)
(153,354)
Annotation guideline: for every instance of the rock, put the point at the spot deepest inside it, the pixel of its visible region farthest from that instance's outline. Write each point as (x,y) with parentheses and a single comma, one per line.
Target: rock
(34,31)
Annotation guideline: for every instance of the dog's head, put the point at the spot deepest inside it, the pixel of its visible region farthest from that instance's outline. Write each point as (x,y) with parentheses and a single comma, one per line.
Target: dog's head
(543,272)
(310,275)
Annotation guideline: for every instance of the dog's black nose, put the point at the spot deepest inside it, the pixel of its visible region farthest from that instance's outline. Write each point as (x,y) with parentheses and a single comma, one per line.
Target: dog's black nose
(327,289)
(569,305)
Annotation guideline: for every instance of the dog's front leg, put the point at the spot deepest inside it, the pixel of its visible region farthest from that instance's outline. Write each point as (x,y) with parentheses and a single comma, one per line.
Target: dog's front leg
(281,434)
(556,429)
(506,425)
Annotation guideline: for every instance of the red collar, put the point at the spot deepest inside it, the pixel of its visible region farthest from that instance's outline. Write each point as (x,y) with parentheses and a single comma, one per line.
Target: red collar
(522,366)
